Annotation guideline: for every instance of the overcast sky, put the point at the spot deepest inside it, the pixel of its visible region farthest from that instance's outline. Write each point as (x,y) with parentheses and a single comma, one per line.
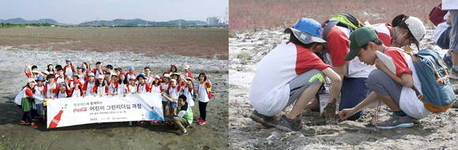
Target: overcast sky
(77,11)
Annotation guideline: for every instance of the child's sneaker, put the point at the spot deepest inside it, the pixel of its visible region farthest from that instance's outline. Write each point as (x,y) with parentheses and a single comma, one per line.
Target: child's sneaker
(201,123)
(34,125)
(154,122)
(183,132)
(396,122)
(286,124)
(24,122)
(266,121)
(199,119)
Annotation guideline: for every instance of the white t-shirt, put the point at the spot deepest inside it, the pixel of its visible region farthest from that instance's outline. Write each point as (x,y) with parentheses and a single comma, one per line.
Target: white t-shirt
(269,92)
(122,89)
(188,95)
(155,89)
(76,93)
(141,88)
(149,79)
(101,90)
(165,87)
(68,71)
(173,92)
(60,79)
(202,94)
(113,87)
(62,94)
(408,101)
(81,78)
(355,68)
(50,87)
(38,95)
(90,86)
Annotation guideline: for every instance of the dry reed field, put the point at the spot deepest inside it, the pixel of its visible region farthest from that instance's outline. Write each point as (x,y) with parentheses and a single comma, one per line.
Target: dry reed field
(256,14)
(200,42)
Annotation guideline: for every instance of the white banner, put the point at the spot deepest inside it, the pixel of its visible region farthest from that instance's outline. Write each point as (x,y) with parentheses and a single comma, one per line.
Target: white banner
(84,110)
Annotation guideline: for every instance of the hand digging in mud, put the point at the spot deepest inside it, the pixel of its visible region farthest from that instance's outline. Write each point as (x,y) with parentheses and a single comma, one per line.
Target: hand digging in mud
(329,113)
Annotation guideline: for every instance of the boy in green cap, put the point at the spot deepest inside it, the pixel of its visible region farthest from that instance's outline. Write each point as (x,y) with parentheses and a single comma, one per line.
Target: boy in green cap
(391,82)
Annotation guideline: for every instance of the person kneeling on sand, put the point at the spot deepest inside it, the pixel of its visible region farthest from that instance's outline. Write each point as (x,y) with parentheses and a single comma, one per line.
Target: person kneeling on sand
(393,85)
(291,74)
(185,117)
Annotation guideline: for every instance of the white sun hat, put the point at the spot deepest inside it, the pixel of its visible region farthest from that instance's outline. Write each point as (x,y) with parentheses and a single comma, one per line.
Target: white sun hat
(416,27)
(30,80)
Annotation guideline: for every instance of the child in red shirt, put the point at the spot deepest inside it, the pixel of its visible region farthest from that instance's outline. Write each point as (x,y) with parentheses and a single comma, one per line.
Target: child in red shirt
(69,69)
(187,71)
(51,87)
(75,87)
(27,102)
(90,86)
(142,86)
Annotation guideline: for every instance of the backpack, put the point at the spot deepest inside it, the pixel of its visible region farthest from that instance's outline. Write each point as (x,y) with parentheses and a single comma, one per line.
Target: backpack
(438,94)
(332,23)
(26,104)
(19,96)
(209,91)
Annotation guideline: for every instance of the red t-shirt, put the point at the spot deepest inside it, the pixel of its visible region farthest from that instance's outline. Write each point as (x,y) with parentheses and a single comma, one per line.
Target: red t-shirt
(384,32)
(338,46)
(28,92)
(307,60)
(28,74)
(399,61)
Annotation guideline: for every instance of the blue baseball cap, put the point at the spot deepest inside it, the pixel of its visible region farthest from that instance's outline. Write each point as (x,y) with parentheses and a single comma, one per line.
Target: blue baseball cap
(307,31)
(40,78)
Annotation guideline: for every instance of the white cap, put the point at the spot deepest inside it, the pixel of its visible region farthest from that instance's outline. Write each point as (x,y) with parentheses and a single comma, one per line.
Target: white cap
(186,66)
(167,75)
(30,80)
(416,27)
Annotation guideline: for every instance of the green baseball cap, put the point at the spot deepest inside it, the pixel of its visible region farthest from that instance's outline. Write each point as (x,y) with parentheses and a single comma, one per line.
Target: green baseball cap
(358,39)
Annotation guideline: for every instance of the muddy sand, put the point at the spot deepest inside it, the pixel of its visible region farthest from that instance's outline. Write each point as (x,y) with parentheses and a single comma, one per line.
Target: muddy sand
(151,41)
(437,131)
(109,135)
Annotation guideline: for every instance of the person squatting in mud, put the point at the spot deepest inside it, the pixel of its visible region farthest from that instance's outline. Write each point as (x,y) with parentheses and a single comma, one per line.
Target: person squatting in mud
(295,73)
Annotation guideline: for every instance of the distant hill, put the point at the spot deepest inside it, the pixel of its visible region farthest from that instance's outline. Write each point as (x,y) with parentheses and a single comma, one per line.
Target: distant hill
(23,21)
(144,23)
(113,23)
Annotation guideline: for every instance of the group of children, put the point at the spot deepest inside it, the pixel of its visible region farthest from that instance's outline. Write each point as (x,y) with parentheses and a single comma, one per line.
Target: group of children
(70,81)
(365,63)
